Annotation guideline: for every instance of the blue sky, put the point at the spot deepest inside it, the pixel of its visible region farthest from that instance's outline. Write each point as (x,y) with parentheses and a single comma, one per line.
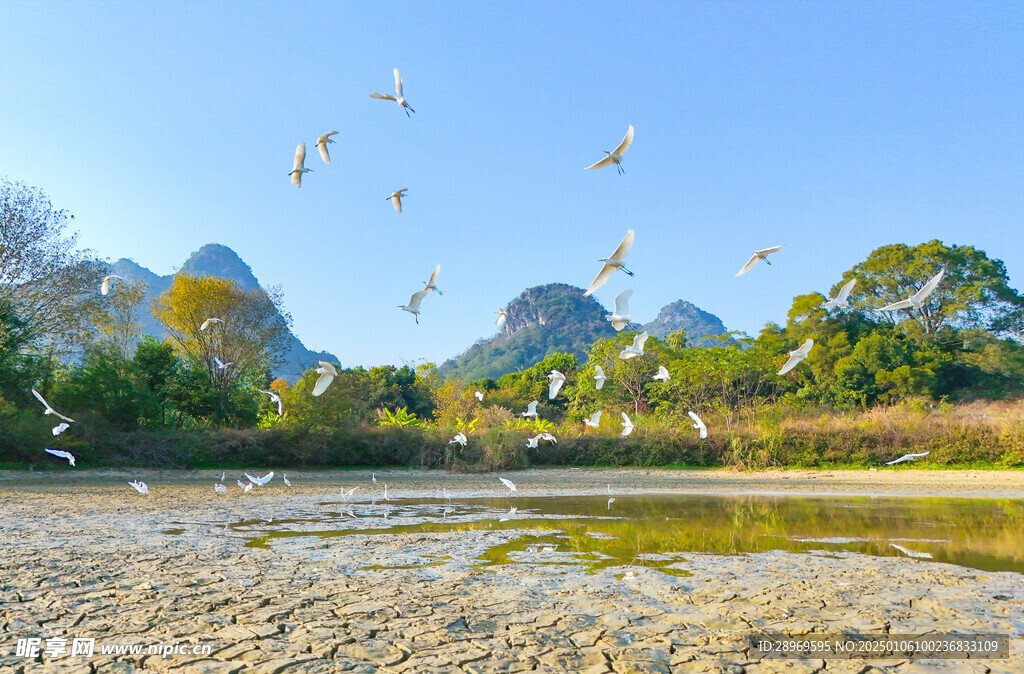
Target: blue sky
(831,127)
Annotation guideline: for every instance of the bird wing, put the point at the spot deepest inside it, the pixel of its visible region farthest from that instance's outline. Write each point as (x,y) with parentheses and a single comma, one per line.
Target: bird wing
(924,292)
(555,387)
(326,138)
(639,341)
(329,367)
(769,251)
(324,154)
(697,421)
(601,278)
(626,421)
(895,306)
(105,286)
(507,483)
(322,383)
(396,200)
(297,178)
(59,452)
(626,142)
(806,347)
(623,250)
(41,399)
(398,84)
(433,276)
(532,407)
(300,157)
(383,97)
(748,266)
(417,297)
(596,417)
(502,316)
(663,373)
(622,303)
(607,161)
(794,359)
(844,292)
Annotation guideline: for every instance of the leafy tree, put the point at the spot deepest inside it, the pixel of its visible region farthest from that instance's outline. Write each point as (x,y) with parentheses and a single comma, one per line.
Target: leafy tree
(156,364)
(117,319)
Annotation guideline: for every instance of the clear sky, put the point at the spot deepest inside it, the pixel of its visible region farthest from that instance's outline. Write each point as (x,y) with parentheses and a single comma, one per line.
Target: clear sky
(831,127)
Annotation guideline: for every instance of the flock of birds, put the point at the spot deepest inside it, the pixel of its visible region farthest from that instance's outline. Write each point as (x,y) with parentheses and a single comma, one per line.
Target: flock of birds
(620,318)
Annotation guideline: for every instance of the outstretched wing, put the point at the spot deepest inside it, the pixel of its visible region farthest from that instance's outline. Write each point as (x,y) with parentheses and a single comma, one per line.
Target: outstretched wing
(748,266)
(433,276)
(532,407)
(896,306)
(769,251)
(300,157)
(922,294)
(640,340)
(626,142)
(383,97)
(844,292)
(601,278)
(322,383)
(794,359)
(417,297)
(623,250)
(622,303)
(398,83)
(607,161)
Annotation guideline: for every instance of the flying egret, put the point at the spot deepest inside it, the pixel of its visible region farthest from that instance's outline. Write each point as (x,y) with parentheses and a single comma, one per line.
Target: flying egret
(460,439)
(594,421)
(699,425)
(327,374)
(221,365)
(509,484)
(140,486)
(219,488)
(533,442)
(531,410)
(479,396)
(621,319)
(60,428)
(105,286)
(905,457)
(246,486)
(917,299)
(208,322)
(62,454)
(502,317)
(758,255)
(663,374)
(398,97)
(796,356)
(50,410)
(627,425)
(636,348)
(413,307)
(396,198)
(346,494)
(557,379)
(615,156)
(321,144)
(599,378)
(275,398)
(611,263)
(287,482)
(297,168)
(260,481)
(842,299)
(432,283)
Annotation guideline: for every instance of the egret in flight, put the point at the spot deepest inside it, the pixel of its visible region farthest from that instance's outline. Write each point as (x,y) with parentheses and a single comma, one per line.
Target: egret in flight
(533,442)
(208,322)
(297,167)
(615,156)
(699,425)
(663,374)
(396,198)
(60,428)
(636,348)
(140,486)
(327,374)
(321,144)
(611,263)
(758,255)
(842,299)
(796,356)
(50,410)
(621,319)
(60,453)
(599,377)
(916,300)
(398,97)
(531,410)
(905,457)
(221,365)
(594,421)
(260,481)
(508,483)
(275,398)
(413,307)
(502,317)
(627,425)
(460,439)
(105,286)
(432,283)
(557,379)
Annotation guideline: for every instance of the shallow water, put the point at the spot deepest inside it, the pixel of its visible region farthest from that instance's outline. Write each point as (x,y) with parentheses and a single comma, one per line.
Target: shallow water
(658,530)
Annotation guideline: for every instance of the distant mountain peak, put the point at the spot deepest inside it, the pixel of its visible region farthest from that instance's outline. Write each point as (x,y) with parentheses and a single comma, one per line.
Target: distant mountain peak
(687,316)
(215,259)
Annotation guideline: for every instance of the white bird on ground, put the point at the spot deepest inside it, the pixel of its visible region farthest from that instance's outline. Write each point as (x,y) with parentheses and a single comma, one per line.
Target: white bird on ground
(531,410)
(219,488)
(916,300)
(386,492)
(615,156)
(321,144)
(140,486)
(208,322)
(620,318)
(663,374)
(509,484)
(373,477)
(908,457)
(62,454)
(555,385)
(221,365)
(287,482)
(396,198)
(699,425)
(627,425)
(246,486)
(460,439)
(594,421)
(346,494)
(60,428)
(599,378)
(479,396)
(50,410)
(222,474)
(297,167)
(445,494)
(399,97)
(842,299)
(502,317)
(275,398)
(611,263)
(912,553)
(105,285)
(260,481)
(636,348)
(432,283)
(327,374)
(758,255)
(796,356)
(413,307)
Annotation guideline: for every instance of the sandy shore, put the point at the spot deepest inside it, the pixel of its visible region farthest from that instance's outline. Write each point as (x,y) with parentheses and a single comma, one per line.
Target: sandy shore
(82,555)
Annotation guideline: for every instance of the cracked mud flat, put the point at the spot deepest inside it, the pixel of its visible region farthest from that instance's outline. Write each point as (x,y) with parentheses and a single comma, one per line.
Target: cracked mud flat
(82,555)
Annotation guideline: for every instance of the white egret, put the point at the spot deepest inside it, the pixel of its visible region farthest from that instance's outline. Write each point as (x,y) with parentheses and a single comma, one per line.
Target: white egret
(432,283)
(842,299)
(663,374)
(373,477)
(796,356)
(221,365)
(321,144)
(916,300)
(594,421)
(140,486)
(699,425)
(610,492)
(620,318)
(911,553)
(599,378)
(627,425)
(219,488)
(275,398)
(445,494)
(531,410)
(386,492)
(549,438)
(610,502)
(758,255)
(327,374)
(615,156)
(287,482)
(62,454)
(413,307)
(908,457)
(297,168)
(50,410)
(502,317)
(260,481)
(509,484)
(399,97)
(105,285)
(60,428)
(460,439)
(208,322)
(533,442)
(555,385)
(611,263)
(246,486)
(636,348)
(222,474)
(479,396)
(396,198)
(346,494)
